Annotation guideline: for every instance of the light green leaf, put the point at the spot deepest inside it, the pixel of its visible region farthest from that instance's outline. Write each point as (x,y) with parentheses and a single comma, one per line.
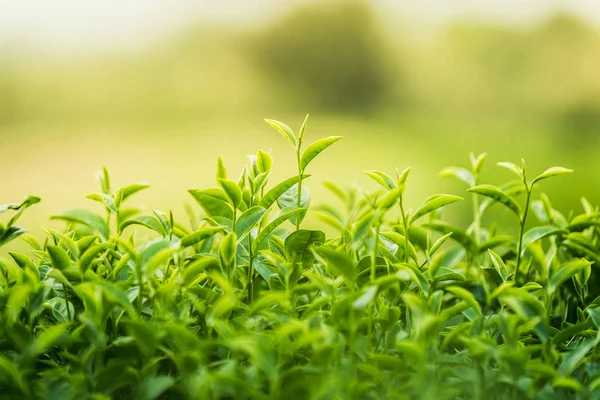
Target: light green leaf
(221,170)
(465,296)
(459,173)
(232,191)
(264,161)
(433,203)
(567,271)
(284,130)
(367,296)
(200,235)
(499,265)
(536,233)
(130,190)
(86,218)
(154,386)
(382,178)
(272,195)
(314,149)
(90,255)
(573,359)
(248,220)
(498,195)
(439,243)
(550,172)
(302,129)
(47,339)
(477,162)
(213,201)
(337,262)
(512,167)
(60,258)
(391,198)
(279,219)
(290,199)
(147,221)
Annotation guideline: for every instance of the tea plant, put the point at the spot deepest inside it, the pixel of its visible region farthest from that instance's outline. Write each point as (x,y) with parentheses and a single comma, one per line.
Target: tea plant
(245,303)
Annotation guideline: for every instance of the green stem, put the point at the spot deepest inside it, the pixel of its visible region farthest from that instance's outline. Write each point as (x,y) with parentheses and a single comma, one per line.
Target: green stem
(405,227)
(373,268)
(67,302)
(299,202)
(476,218)
(141,289)
(250,271)
(234,218)
(521,232)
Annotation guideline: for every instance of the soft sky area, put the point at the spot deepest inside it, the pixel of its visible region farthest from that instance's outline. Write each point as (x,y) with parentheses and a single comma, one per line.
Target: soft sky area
(73,26)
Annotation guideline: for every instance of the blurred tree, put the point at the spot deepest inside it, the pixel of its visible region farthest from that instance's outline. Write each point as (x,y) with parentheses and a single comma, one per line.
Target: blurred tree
(331,56)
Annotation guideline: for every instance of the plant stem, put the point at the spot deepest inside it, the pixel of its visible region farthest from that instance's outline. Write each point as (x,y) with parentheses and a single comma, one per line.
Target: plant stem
(476,219)
(233,220)
(299,202)
(521,232)
(66,302)
(250,271)
(405,227)
(373,267)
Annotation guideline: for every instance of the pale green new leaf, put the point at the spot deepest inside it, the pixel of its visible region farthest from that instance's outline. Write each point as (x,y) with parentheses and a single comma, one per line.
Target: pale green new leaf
(284,130)
(433,203)
(499,196)
(550,172)
(314,149)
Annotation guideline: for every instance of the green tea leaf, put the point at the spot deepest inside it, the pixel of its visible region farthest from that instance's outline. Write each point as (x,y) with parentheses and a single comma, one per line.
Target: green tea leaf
(289,198)
(567,271)
(279,219)
(538,232)
(499,196)
(60,258)
(284,130)
(367,296)
(499,265)
(512,167)
(272,195)
(459,173)
(200,235)
(433,203)
(105,199)
(232,191)
(382,178)
(213,201)
(314,149)
(339,263)
(86,218)
(221,170)
(147,221)
(264,161)
(298,245)
(550,172)
(248,220)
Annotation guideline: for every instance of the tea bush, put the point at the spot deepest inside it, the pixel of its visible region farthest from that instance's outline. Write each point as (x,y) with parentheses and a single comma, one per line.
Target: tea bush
(244,303)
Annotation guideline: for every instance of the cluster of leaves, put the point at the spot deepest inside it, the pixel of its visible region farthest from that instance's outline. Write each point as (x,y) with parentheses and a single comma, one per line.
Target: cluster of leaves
(243,302)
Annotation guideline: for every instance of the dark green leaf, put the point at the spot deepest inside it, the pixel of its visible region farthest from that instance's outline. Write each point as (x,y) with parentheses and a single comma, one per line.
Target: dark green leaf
(298,245)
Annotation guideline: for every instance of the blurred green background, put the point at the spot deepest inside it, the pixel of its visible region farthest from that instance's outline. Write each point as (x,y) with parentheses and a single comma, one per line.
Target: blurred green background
(156,91)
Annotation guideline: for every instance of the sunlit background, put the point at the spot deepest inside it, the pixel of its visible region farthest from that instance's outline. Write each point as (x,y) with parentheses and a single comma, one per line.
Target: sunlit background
(156,90)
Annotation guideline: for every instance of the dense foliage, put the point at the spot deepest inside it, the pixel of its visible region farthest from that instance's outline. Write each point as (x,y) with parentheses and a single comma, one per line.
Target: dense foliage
(244,302)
